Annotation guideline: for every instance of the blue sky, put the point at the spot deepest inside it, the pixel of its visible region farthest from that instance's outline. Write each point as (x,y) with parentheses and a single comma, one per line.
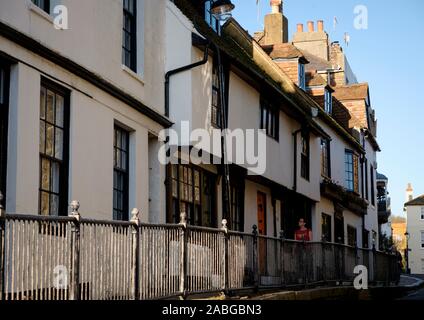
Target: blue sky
(389,56)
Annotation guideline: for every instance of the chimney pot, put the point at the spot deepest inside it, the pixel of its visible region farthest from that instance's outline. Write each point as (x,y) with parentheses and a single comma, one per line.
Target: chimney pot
(311,26)
(300,27)
(276,6)
(320,24)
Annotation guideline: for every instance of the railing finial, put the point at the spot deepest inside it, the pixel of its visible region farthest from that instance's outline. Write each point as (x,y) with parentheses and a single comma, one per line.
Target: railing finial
(255,229)
(135,216)
(224,225)
(75,205)
(183,218)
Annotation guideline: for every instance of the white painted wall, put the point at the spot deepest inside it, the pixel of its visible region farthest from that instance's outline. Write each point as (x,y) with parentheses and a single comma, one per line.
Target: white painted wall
(94,40)
(92,115)
(371,219)
(414,226)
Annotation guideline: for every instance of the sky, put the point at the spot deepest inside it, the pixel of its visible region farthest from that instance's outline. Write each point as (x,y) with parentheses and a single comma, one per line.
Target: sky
(389,56)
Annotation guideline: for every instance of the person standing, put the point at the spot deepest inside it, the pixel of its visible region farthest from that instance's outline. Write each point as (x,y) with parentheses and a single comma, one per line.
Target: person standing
(303,233)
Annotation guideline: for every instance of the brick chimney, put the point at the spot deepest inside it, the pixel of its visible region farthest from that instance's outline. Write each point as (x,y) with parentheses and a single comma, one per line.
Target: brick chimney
(276,25)
(314,41)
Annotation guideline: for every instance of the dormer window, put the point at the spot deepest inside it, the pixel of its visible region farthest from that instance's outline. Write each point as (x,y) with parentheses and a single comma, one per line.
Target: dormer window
(328,100)
(302,76)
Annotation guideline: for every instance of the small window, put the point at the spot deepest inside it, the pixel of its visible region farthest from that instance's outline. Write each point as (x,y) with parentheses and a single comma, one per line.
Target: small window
(53,145)
(351,171)
(120,174)
(270,119)
(351,236)
(325,158)
(422,239)
(326,227)
(129,35)
(422,213)
(43,4)
(304,161)
(302,77)
(328,99)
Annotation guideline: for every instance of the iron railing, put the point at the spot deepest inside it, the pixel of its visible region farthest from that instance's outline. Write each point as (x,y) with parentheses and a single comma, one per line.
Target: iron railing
(70,258)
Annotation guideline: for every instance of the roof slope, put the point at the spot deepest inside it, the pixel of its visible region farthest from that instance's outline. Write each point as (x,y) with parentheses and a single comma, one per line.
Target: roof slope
(284,51)
(352,92)
(416,202)
(316,63)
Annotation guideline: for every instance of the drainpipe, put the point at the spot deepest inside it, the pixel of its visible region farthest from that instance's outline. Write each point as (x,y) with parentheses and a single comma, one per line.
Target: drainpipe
(179,70)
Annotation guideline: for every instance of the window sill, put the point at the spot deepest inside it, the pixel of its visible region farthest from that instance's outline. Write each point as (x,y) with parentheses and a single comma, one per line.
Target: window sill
(134,75)
(34,8)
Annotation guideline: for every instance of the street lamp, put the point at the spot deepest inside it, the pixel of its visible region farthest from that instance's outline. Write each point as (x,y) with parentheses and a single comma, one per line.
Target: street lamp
(407,236)
(222,9)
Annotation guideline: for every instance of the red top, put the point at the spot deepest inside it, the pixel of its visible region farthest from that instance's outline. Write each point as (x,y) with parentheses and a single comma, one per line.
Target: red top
(302,235)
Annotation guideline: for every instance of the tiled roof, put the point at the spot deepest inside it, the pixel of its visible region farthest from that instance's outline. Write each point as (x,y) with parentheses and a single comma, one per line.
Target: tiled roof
(314,79)
(284,51)
(316,63)
(416,202)
(352,92)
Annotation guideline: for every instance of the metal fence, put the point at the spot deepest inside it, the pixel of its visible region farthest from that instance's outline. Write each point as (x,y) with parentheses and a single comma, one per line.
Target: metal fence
(70,258)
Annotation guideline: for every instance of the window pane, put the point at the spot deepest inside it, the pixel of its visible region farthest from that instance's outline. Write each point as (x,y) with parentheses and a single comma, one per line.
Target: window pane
(42,137)
(54,205)
(124,160)
(49,139)
(118,138)
(55,177)
(44,204)
(43,103)
(175,188)
(45,174)
(50,106)
(60,105)
(59,144)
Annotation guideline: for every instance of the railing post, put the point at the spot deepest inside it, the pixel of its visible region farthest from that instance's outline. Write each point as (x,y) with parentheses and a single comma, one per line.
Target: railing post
(255,258)
(282,240)
(183,256)
(324,263)
(135,232)
(305,264)
(74,293)
(2,247)
(226,255)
